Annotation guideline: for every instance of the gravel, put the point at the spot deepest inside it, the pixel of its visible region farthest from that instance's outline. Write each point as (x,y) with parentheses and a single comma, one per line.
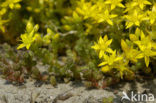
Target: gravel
(73,92)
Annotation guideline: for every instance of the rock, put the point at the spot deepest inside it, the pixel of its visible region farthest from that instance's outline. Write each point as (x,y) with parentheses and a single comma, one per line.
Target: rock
(91,99)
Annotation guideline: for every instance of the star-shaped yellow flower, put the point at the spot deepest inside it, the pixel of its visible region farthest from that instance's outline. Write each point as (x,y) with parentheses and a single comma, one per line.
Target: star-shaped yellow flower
(141,3)
(106,16)
(115,3)
(102,46)
(147,47)
(134,19)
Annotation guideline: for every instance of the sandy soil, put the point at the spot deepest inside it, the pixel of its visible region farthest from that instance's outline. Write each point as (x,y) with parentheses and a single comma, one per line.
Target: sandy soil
(73,92)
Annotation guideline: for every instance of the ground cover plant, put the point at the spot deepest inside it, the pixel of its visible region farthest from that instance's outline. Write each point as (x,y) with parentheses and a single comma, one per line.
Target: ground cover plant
(101,42)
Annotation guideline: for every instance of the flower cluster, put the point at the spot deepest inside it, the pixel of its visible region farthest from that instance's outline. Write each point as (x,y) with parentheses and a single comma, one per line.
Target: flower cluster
(140,46)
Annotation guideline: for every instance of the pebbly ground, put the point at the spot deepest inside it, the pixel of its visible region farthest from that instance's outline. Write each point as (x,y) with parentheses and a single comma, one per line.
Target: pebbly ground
(73,92)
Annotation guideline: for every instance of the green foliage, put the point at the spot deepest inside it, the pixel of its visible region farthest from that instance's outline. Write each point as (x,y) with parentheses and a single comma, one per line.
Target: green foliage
(108,100)
(53,80)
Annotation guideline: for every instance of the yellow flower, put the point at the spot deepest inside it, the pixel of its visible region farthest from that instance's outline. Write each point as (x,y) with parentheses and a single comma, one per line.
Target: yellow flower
(27,41)
(154,7)
(50,36)
(106,16)
(2,22)
(134,19)
(86,9)
(147,47)
(56,36)
(29,37)
(11,3)
(141,3)
(152,15)
(105,69)
(3,11)
(110,60)
(129,7)
(129,52)
(113,62)
(115,3)
(102,46)
(98,12)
